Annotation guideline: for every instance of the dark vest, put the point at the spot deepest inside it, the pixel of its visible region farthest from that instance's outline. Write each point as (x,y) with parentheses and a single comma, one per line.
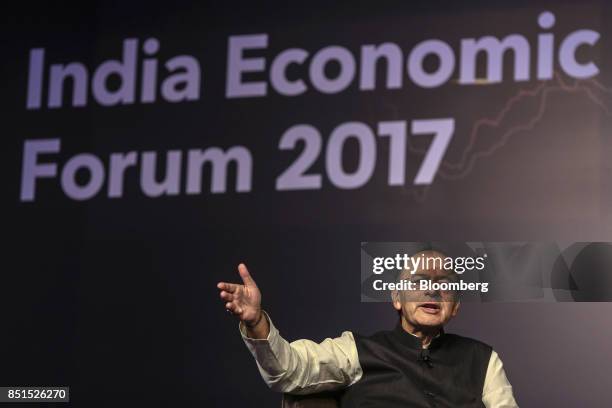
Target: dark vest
(398,373)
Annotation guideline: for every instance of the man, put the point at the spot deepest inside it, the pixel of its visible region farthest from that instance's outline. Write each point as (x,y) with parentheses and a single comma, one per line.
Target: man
(415,365)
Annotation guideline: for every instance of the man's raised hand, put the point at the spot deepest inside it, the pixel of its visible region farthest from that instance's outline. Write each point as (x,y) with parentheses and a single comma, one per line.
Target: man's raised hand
(244,301)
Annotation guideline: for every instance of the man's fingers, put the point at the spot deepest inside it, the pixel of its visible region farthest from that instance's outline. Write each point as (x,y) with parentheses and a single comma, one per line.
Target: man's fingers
(233,293)
(246,276)
(226,296)
(234,308)
(228,287)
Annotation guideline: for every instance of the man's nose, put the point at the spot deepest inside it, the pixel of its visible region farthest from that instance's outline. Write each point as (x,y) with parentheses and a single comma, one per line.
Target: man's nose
(434,294)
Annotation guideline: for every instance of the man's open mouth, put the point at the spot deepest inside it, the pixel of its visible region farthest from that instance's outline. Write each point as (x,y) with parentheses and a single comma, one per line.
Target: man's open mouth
(430,307)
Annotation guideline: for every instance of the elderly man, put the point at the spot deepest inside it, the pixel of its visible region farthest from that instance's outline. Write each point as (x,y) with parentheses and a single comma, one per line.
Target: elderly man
(417,364)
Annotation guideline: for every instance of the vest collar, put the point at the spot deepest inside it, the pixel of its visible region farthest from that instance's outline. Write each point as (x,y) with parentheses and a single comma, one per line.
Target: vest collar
(412,341)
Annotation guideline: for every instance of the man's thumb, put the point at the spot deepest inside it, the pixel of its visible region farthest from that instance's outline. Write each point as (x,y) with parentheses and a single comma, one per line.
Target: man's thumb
(246,276)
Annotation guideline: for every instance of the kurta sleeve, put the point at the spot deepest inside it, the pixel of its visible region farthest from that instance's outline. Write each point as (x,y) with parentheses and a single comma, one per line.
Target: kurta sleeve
(304,366)
(497,391)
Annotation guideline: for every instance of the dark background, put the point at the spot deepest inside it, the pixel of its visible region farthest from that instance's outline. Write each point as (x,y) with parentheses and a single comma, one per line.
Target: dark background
(117,298)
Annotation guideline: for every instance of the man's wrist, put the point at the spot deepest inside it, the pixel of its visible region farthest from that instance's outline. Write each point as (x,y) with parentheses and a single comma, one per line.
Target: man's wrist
(252,326)
(259,329)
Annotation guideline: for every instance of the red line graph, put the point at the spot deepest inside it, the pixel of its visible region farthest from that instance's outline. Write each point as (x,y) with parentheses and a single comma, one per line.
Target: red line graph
(460,169)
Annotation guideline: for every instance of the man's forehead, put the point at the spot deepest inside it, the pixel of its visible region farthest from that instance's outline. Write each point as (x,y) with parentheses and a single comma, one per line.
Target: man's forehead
(430,264)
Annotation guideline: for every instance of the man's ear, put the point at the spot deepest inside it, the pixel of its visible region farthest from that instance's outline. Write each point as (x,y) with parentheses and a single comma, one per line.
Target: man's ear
(395,298)
(455,309)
